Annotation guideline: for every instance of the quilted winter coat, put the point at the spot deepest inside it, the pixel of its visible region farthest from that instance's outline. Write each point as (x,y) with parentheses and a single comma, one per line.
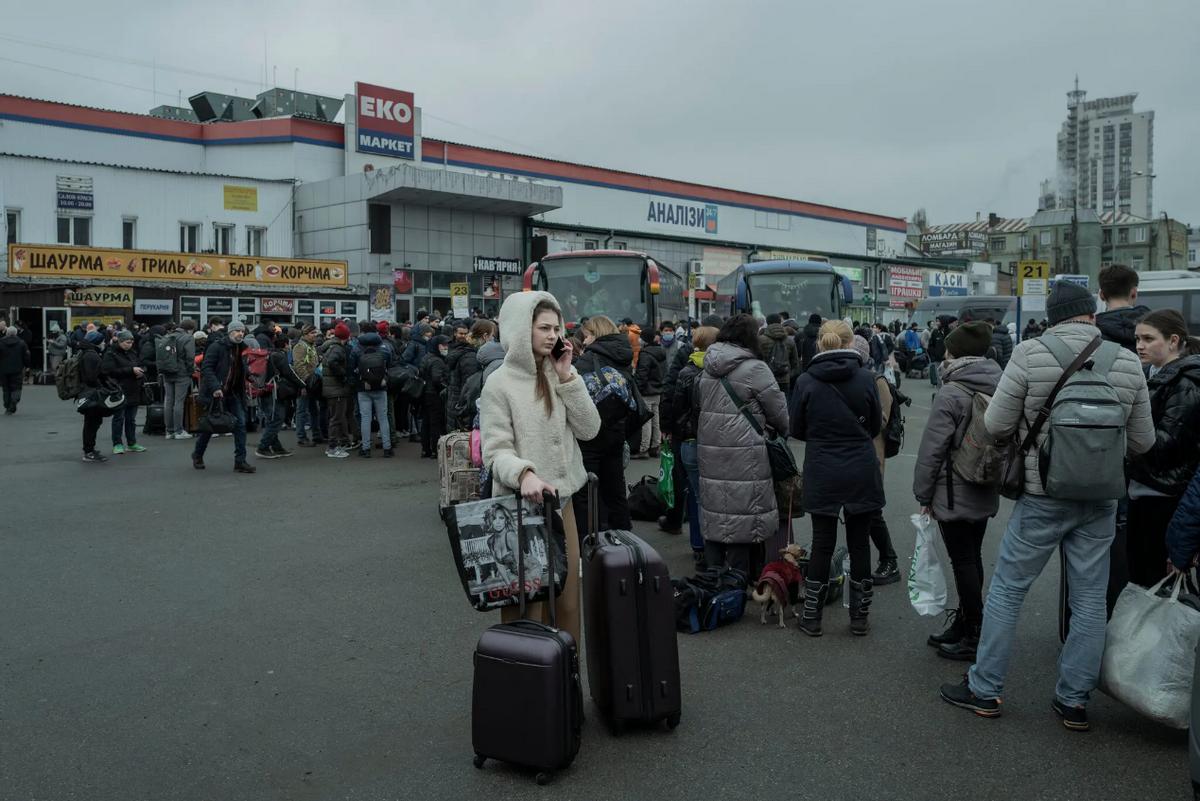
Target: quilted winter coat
(737,495)
(1175,405)
(1031,375)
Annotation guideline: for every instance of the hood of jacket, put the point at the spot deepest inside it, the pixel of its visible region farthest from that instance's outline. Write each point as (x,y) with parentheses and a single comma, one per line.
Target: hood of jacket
(811,331)
(776,331)
(696,357)
(614,349)
(722,357)
(977,373)
(459,351)
(370,340)
(835,366)
(1183,367)
(1119,325)
(516,328)
(489,352)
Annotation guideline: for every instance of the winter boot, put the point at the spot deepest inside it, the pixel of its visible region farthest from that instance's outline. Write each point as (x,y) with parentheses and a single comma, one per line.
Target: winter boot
(954,632)
(814,606)
(963,650)
(861,593)
(887,573)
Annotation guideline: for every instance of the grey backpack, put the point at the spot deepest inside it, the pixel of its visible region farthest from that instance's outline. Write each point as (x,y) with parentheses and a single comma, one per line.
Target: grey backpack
(978,457)
(1083,455)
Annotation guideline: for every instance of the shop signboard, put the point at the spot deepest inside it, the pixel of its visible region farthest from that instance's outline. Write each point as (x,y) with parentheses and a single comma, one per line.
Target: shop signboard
(495,266)
(952,241)
(76,201)
(905,284)
(1033,277)
(62,261)
(680,214)
(108,297)
(277,305)
(460,299)
(241,198)
(1081,280)
(154,306)
(384,121)
(947,284)
(382,302)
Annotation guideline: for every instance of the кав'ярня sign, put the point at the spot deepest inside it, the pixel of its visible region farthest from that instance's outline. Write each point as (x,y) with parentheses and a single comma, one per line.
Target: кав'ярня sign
(70,262)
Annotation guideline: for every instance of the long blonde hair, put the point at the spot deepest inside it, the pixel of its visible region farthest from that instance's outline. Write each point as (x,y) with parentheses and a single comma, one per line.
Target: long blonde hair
(542,389)
(600,326)
(834,335)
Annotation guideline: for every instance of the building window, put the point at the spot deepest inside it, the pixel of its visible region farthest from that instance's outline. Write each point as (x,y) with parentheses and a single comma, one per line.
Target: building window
(1137,262)
(1024,241)
(1066,263)
(12,220)
(1046,237)
(1191,254)
(618,246)
(379,227)
(1123,236)
(591,244)
(1139,234)
(75,231)
(129,233)
(1107,236)
(189,237)
(256,240)
(998,244)
(223,238)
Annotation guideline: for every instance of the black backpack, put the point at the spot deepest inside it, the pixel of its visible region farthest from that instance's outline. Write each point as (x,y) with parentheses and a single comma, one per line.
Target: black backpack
(372,368)
(644,501)
(893,433)
(778,359)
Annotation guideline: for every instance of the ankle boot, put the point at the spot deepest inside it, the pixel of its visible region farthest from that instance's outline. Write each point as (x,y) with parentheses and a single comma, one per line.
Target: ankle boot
(964,650)
(861,593)
(954,630)
(814,606)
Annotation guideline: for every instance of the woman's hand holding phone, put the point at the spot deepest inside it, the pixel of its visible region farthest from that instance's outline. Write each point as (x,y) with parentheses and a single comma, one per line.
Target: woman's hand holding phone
(562,359)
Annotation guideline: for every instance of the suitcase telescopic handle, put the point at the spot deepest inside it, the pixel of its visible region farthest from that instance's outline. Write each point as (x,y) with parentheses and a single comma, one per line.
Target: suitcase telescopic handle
(593,482)
(549,499)
(520,557)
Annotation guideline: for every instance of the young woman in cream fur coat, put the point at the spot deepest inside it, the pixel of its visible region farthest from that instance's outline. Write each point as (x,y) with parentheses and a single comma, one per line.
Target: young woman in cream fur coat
(533,411)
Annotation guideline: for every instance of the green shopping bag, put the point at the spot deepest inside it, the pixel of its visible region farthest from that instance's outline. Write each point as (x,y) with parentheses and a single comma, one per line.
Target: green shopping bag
(666,485)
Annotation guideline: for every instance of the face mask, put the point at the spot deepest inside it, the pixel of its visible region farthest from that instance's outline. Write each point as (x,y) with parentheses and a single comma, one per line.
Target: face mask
(443,351)
(667,339)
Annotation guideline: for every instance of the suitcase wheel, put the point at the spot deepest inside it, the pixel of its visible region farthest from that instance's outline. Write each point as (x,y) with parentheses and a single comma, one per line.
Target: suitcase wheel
(544,778)
(479,760)
(672,721)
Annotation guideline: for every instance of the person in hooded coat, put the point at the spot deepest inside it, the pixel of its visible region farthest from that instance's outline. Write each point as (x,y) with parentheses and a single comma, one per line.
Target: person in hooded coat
(836,411)
(436,375)
(774,340)
(534,412)
(738,511)
(806,341)
(14,359)
(603,454)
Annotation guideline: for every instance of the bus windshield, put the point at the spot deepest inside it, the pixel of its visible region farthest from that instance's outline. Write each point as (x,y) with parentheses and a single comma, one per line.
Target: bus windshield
(606,285)
(801,294)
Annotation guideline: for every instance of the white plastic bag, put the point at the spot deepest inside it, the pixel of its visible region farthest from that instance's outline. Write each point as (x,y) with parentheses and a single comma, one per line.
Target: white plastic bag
(1150,653)
(926,581)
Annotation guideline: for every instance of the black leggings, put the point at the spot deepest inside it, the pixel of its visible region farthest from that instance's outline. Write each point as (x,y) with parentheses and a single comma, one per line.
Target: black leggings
(882,538)
(964,543)
(1146,538)
(858,541)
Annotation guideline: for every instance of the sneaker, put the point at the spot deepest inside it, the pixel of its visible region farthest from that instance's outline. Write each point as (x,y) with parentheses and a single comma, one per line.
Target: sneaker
(886,573)
(279,450)
(336,453)
(388,453)
(954,631)
(960,695)
(181,435)
(135,448)
(242,467)
(94,456)
(118,449)
(1073,717)
(364,453)
(265,453)
(169,435)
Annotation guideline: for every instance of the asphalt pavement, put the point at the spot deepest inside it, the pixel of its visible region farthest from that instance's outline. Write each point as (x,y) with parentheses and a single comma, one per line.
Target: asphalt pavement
(301,634)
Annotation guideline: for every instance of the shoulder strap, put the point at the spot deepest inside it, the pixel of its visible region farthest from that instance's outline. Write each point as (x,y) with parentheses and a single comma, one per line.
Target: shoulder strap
(741,407)
(1105,358)
(1052,342)
(862,421)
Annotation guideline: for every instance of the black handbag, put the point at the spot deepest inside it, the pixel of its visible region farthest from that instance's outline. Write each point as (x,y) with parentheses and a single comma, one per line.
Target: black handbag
(783,462)
(218,420)
(105,399)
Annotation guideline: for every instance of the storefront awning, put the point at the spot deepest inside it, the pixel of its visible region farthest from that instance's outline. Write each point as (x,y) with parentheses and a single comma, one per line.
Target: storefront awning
(458,190)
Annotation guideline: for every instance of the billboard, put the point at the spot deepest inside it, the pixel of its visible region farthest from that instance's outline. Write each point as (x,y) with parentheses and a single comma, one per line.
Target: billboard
(953,241)
(384,121)
(905,284)
(947,284)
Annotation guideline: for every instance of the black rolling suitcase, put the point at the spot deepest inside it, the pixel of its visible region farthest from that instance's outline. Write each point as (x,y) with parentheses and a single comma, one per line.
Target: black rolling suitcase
(629,622)
(527,702)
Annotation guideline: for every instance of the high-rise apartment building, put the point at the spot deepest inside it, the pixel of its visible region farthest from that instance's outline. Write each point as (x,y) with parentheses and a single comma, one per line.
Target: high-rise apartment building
(1106,155)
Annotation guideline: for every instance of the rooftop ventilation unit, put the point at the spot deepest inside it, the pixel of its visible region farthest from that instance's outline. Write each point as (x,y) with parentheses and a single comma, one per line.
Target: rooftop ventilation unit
(216,107)
(174,113)
(288,103)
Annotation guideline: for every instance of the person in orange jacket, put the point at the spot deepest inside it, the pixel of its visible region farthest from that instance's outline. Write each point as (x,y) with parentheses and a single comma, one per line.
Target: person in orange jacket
(632,330)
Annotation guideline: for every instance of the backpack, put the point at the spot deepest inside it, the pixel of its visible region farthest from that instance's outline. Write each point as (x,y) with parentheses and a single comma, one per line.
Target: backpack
(893,432)
(644,500)
(612,392)
(166,355)
(258,379)
(781,368)
(405,380)
(67,378)
(978,457)
(1083,455)
(372,369)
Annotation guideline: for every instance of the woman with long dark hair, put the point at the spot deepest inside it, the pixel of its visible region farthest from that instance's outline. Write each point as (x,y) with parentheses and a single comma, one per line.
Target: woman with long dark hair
(1159,477)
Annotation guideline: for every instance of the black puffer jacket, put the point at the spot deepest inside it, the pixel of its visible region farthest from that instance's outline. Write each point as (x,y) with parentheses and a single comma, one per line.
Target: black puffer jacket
(89,365)
(614,351)
(1002,346)
(806,344)
(436,374)
(679,361)
(1119,325)
(652,370)
(840,466)
(14,355)
(1175,403)
(117,366)
(462,363)
(685,403)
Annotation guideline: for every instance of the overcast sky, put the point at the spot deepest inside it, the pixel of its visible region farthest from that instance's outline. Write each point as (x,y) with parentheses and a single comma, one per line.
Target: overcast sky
(951,105)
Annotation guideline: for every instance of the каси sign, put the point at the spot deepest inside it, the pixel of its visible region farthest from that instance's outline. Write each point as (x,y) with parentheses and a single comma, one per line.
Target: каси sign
(61,261)
(384,121)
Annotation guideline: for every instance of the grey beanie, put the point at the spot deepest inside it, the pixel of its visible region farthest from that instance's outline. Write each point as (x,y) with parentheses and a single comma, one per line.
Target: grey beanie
(124,336)
(1068,300)
(237,327)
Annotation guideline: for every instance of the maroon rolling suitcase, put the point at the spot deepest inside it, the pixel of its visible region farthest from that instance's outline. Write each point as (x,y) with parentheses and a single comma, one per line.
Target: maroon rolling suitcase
(527,700)
(629,623)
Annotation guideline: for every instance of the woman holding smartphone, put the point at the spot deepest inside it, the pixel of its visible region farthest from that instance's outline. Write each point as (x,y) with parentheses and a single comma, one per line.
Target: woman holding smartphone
(534,410)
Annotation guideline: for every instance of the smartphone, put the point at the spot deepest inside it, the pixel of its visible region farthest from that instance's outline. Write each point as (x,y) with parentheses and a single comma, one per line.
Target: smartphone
(560,347)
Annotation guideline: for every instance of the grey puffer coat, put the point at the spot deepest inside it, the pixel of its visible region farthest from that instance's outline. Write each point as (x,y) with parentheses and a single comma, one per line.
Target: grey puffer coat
(737,495)
(1031,375)
(948,421)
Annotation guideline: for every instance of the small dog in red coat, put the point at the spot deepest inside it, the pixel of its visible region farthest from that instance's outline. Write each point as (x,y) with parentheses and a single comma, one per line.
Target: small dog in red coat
(780,583)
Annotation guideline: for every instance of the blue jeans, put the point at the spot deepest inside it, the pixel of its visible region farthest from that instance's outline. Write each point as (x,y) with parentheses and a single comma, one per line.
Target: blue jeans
(1037,526)
(125,420)
(272,411)
(690,456)
(935,378)
(236,406)
(303,419)
(375,400)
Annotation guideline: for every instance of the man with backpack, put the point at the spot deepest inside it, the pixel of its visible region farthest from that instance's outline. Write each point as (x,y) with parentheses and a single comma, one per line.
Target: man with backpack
(1078,406)
(174,356)
(286,386)
(779,352)
(369,366)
